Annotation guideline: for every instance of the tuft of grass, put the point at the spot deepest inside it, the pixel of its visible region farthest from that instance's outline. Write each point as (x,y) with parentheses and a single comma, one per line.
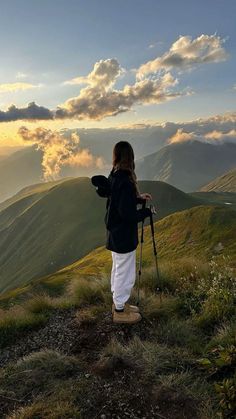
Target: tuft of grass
(51,408)
(217,308)
(15,321)
(43,303)
(150,283)
(38,373)
(54,285)
(150,357)
(156,308)
(224,336)
(86,292)
(89,315)
(191,388)
(39,304)
(182,333)
(171,274)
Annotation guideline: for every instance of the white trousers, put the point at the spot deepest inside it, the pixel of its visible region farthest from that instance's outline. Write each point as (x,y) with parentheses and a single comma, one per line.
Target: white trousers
(123,276)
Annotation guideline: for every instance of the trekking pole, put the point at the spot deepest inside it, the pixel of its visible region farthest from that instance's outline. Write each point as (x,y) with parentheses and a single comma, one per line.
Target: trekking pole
(140,256)
(153,211)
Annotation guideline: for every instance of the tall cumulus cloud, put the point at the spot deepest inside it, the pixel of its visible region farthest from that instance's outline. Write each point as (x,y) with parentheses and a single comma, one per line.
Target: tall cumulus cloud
(58,150)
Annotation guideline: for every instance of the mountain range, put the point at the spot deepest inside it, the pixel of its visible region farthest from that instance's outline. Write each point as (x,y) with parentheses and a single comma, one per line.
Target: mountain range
(188,165)
(24,166)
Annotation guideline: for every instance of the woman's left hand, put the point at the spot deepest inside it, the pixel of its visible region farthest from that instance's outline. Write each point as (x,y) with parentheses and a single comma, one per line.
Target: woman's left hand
(146,196)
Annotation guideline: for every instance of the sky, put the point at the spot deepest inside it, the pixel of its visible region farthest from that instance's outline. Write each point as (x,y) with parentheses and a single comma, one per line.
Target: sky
(110,63)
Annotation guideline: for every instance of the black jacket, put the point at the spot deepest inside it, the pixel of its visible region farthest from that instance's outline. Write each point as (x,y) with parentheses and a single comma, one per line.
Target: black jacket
(122,216)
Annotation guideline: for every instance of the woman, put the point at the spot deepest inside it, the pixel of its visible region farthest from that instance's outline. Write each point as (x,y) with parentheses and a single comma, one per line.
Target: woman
(122,218)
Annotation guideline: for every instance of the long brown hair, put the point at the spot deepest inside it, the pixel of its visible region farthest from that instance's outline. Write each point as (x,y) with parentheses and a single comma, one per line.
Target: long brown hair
(123,158)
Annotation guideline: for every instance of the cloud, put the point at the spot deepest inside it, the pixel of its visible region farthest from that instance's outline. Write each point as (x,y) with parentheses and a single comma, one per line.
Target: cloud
(224,122)
(186,53)
(222,136)
(181,136)
(14,87)
(30,112)
(99,100)
(154,84)
(213,137)
(59,150)
(151,46)
(104,74)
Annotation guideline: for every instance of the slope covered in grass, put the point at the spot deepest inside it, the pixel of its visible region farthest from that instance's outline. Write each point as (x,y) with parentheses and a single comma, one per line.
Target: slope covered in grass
(23,200)
(50,232)
(46,227)
(19,169)
(31,191)
(62,357)
(224,183)
(198,233)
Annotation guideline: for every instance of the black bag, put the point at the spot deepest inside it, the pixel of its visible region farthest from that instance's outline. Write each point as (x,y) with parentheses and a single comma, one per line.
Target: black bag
(103,189)
(102,185)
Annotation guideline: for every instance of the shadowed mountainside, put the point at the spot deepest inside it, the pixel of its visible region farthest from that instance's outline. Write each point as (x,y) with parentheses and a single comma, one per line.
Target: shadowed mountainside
(187,165)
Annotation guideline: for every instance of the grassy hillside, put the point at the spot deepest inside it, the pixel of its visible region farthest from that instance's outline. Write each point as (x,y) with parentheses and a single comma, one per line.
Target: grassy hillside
(50,232)
(186,165)
(18,170)
(224,183)
(46,227)
(194,233)
(198,234)
(31,191)
(23,200)
(226,199)
(62,357)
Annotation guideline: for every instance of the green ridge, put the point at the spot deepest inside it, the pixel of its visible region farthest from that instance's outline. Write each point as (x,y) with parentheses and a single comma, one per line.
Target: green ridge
(46,227)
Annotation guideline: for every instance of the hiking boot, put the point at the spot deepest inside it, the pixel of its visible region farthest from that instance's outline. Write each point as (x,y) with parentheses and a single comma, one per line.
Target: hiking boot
(126,316)
(128,307)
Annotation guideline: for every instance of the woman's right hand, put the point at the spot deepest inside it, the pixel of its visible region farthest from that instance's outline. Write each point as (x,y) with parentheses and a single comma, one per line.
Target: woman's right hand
(146,196)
